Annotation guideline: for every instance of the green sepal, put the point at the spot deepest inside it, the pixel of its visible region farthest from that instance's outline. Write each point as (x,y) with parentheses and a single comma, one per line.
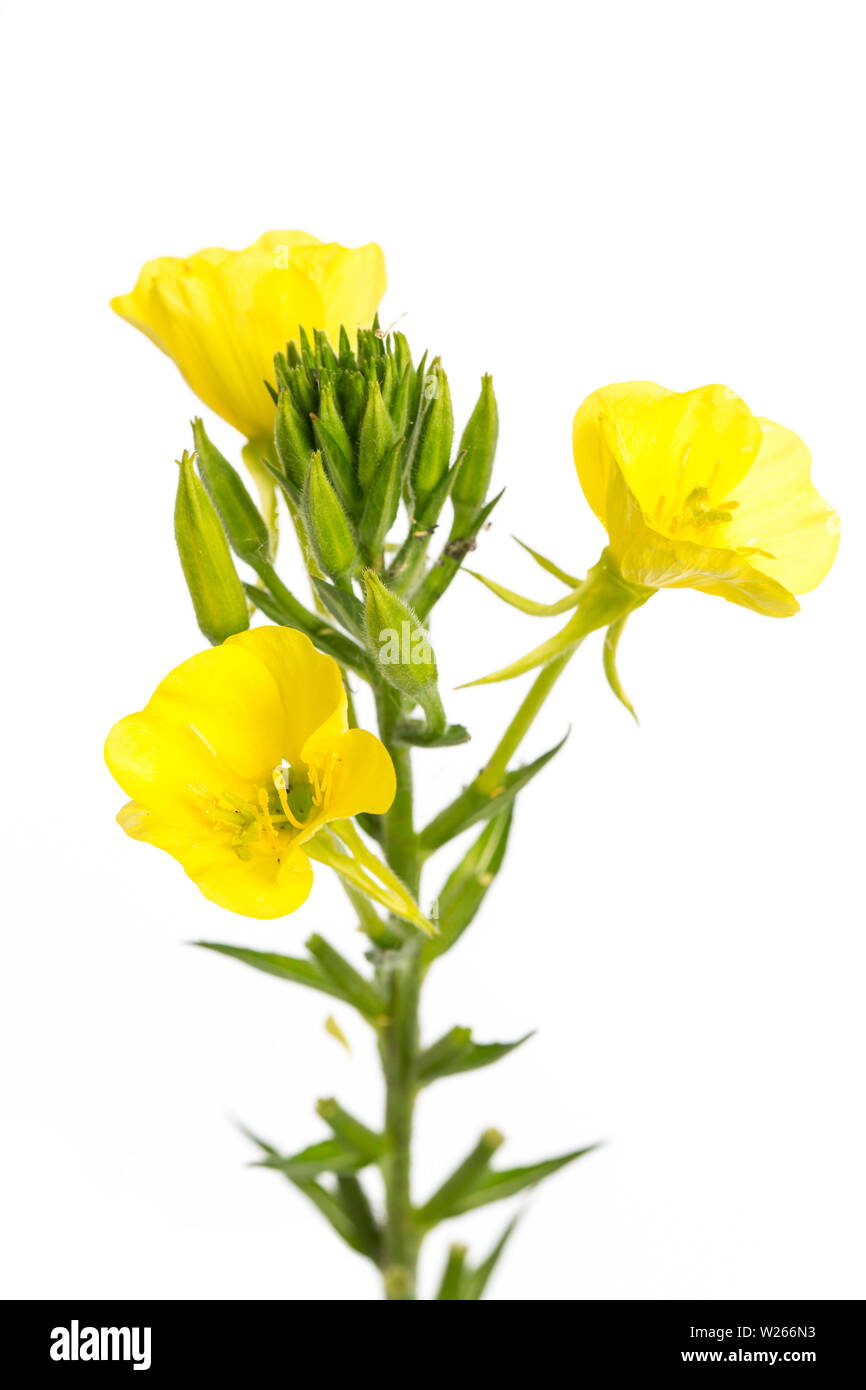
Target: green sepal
(243,522)
(495,1186)
(473,805)
(611,642)
(299,971)
(447,1199)
(452,1283)
(456,1052)
(469,883)
(548,566)
(211,578)
(342,605)
(328,1156)
(528,605)
(355,989)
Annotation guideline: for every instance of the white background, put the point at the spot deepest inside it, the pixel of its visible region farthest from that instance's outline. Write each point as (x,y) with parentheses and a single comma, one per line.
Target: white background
(566,195)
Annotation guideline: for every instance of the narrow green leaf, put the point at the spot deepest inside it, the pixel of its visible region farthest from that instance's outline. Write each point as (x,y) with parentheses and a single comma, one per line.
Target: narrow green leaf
(469,883)
(493,1187)
(451,1287)
(448,1199)
(456,1053)
(356,1204)
(334,1212)
(358,991)
(340,1209)
(300,972)
(328,1156)
(351,1131)
(342,605)
(473,805)
(461,540)
(475,1281)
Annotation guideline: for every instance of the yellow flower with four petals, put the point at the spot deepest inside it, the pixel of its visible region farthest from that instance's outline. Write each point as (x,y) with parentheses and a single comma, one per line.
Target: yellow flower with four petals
(221,315)
(240,757)
(697,492)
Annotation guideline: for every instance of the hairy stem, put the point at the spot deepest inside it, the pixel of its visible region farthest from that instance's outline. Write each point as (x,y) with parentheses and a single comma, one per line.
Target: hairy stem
(402,974)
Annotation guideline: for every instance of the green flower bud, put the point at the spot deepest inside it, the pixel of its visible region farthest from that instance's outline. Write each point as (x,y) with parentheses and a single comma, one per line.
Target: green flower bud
(329,529)
(402,650)
(402,399)
(437,434)
(402,354)
(377,435)
(216,592)
(241,519)
(336,446)
(382,501)
(352,395)
(293,440)
(325,355)
(478,447)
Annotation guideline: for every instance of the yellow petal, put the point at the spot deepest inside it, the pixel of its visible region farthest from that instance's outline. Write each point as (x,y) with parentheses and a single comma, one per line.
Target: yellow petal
(667,444)
(216,722)
(262,886)
(627,402)
(646,557)
(308,684)
(221,315)
(362,778)
(780,514)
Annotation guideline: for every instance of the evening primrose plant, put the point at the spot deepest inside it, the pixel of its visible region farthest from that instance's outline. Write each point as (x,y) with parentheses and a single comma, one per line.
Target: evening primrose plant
(247,764)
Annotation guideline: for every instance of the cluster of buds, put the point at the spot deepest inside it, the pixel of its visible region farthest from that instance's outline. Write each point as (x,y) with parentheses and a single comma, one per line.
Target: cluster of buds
(356,432)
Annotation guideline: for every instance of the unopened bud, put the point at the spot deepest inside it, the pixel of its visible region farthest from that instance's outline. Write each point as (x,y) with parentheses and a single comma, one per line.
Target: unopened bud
(431,459)
(214,587)
(402,649)
(329,529)
(242,521)
(478,447)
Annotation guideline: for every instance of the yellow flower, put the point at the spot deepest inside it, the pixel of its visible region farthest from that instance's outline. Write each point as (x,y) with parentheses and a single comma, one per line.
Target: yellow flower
(241,755)
(696,492)
(221,315)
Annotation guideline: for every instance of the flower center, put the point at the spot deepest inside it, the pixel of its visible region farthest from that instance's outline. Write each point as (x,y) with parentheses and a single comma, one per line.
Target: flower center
(278,813)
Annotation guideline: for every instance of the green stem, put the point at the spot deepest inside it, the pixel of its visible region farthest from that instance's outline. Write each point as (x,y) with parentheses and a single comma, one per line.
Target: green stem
(493,771)
(402,973)
(605,599)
